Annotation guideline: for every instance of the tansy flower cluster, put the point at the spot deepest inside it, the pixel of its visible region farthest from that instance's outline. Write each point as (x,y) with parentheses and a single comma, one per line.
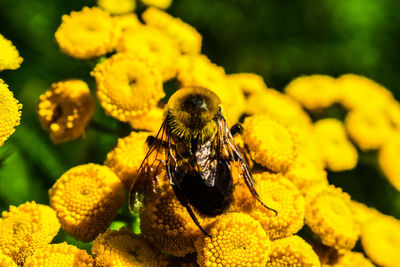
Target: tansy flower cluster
(299,219)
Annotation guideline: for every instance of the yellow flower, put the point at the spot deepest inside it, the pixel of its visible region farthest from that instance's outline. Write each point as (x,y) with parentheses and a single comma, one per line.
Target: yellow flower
(363,214)
(151,40)
(65,109)
(87,33)
(389,156)
(125,159)
(198,70)
(368,128)
(117,7)
(275,192)
(63,255)
(26,228)
(168,225)
(380,239)
(87,198)
(123,248)
(279,106)
(304,174)
(351,259)
(357,92)
(9,56)
(314,91)
(338,152)
(6,261)
(128,85)
(163,4)
(292,251)
(270,143)
(189,40)
(249,83)
(150,121)
(237,240)
(125,23)
(330,216)
(10,112)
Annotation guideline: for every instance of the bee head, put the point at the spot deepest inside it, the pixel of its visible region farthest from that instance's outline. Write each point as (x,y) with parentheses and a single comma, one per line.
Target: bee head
(191,111)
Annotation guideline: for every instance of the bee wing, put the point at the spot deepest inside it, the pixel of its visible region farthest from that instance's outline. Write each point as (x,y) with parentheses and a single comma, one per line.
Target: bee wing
(152,164)
(230,152)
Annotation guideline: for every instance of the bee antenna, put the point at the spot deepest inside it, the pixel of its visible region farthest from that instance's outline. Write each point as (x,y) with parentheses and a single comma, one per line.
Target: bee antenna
(268,208)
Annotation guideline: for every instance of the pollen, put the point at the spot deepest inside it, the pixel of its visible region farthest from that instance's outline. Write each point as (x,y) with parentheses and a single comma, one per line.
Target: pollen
(86,199)
(292,251)
(123,248)
(237,240)
(249,83)
(25,229)
(9,56)
(117,7)
(278,193)
(62,255)
(125,159)
(128,86)
(6,261)
(271,144)
(65,109)
(304,174)
(162,4)
(151,40)
(150,121)
(314,92)
(380,239)
(330,216)
(388,158)
(168,226)
(188,39)
(10,114)
(357,91)
(338,152)
(86,34)
(369,129)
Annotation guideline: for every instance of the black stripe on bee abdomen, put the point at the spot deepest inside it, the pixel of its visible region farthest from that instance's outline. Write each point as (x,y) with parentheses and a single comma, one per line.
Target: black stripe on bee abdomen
(207,200)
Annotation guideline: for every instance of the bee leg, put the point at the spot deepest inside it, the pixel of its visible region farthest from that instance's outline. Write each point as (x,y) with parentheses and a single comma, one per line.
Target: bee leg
(182,199)
(236,129)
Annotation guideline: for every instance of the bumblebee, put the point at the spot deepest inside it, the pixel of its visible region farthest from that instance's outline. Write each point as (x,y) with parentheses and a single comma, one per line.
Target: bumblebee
(196,149)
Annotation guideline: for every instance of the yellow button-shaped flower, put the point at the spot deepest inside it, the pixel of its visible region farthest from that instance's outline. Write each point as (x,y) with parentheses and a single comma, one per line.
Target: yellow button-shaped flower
(237,240)
(338,152)
(389,158)
(62,255)
(65,109)
(123,248)
(314,91)
(10,112)
(25,229)
(87,33)
(126,158)
(86,199)
(271,144)
(330,216)
(9,56)
(128,85)
(292,251)
(380,239)
(189,40)
(117,7)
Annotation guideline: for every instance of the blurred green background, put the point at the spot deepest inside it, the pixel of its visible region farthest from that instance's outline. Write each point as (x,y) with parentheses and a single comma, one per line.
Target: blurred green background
(279,40)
